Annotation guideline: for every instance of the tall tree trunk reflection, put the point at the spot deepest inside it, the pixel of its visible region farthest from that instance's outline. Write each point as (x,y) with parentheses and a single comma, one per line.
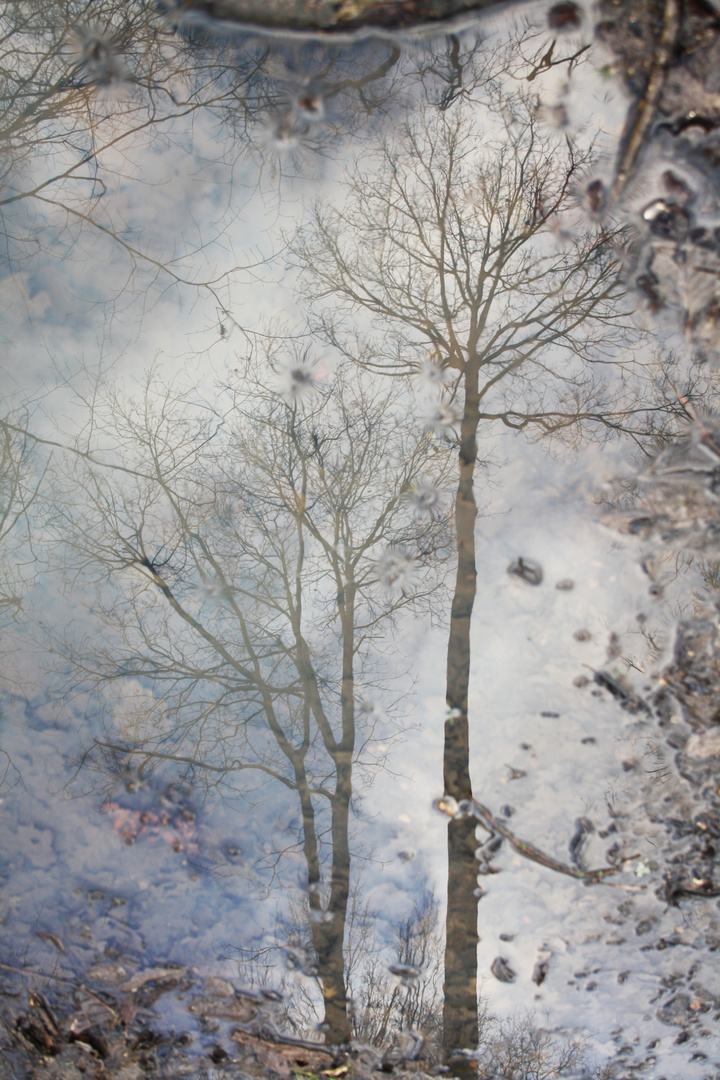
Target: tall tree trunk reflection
(466,290)
(460,1012)
(329,936)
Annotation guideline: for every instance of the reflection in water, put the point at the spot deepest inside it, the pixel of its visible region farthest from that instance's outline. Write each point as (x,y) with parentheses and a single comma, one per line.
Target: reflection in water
(249,548)
(231,569)
(462,270)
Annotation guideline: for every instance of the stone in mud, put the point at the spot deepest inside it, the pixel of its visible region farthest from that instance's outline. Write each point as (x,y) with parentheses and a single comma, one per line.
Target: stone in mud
(667,220)
(217,987)
(540,972)
(583,828)
(502,970)
(678,1010)
(110,974)
(527,570)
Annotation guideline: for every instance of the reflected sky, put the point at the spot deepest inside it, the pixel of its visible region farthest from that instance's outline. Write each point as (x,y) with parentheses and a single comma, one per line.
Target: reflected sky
(332,393)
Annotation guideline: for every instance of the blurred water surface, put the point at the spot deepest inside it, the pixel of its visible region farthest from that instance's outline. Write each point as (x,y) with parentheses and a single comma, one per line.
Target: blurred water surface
(358,483)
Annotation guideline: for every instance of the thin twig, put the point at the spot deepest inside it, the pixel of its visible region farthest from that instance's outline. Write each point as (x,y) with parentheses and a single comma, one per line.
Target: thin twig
(523,847)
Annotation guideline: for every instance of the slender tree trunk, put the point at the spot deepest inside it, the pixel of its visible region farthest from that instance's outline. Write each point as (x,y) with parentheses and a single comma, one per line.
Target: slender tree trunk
(329,934)
(460,1011)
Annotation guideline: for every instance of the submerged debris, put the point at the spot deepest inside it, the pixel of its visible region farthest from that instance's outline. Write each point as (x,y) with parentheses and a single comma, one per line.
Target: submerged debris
(583,828)
(622,692)
(502,970)
(527,570)
(473,808)
(540,971)
(147,810)
(406,973)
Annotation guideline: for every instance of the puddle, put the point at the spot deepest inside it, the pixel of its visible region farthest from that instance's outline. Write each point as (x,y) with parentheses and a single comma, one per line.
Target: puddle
(359,540)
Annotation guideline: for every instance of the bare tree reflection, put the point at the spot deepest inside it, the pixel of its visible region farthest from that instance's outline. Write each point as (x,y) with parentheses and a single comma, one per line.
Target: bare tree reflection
(249,557)
(393,972)
(404,994)
(262,548)
(92,92)
(441,260)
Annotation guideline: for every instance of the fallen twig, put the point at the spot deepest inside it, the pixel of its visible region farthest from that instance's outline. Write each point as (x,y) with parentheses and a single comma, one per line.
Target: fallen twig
(523,847)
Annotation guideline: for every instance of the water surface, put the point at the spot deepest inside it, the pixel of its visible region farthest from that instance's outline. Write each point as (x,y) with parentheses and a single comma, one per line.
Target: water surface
(340,589)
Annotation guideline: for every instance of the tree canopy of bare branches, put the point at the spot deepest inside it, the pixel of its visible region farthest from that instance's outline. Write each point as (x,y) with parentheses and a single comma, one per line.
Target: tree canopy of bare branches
(446,257)
(260,550)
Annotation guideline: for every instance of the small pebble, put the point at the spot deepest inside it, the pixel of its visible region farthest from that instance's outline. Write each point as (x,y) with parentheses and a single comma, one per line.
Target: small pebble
(540,972)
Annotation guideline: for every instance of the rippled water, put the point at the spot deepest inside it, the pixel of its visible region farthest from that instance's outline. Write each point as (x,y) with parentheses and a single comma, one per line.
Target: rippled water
(358,531)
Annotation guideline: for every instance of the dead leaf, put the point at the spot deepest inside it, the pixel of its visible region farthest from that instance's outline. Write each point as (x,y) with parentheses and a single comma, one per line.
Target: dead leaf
(238,1007)
(140,978)
(127,1010)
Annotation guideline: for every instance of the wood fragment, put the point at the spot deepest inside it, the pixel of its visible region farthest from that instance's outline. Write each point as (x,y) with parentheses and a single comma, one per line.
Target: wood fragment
(641,117)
